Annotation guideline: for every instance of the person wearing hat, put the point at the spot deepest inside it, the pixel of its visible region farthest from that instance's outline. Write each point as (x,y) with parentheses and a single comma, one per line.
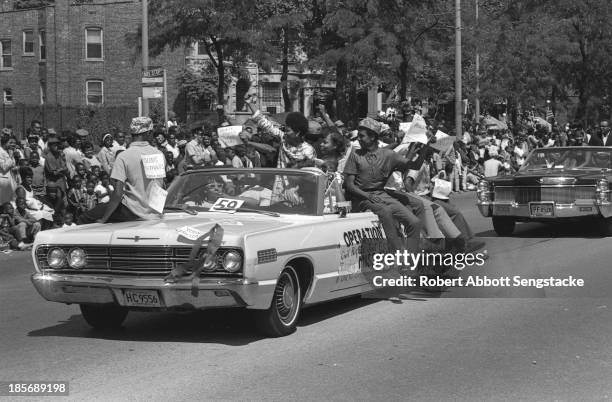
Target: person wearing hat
(106,155)
(56,170)
(294,150)
(367,171)
(135,177)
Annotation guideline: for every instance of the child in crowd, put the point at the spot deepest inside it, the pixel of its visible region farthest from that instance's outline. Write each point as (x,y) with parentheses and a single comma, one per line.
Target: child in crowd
(68,220)
(80,171)
(89,159)
(76,196)
(104,189)
(89,198)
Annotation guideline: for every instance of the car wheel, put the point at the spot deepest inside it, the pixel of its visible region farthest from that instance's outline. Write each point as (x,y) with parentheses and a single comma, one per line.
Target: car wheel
(281,318)
(103,316)
(605,226)
(503,226)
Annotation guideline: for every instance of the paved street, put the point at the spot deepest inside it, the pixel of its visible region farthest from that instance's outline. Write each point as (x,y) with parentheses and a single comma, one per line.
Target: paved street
(516,344)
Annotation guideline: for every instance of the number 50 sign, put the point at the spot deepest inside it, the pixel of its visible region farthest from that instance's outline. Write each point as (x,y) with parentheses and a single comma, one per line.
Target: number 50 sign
(226,204)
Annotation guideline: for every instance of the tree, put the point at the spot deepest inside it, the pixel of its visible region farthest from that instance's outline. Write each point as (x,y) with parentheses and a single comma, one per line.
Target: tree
(282,26)
(225,29)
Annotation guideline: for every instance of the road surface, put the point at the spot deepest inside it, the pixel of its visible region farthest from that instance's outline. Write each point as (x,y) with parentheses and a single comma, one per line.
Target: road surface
(506,344)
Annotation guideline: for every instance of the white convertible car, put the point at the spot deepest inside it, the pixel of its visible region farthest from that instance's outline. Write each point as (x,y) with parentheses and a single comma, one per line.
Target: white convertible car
(270,240)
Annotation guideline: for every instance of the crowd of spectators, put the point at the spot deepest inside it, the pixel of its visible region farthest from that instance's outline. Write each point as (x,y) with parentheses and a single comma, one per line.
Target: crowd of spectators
(48,179)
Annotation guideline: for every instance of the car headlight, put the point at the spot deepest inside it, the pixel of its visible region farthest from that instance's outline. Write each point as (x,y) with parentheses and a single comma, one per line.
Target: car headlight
(77,258)
(232,261)
(602,191)
(56,258)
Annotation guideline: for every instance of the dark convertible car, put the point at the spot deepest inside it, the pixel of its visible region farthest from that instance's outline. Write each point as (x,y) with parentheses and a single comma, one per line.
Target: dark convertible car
(553,184)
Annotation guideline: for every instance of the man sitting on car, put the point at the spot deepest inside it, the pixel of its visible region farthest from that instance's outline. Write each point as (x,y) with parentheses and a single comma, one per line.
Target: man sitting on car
(367,171)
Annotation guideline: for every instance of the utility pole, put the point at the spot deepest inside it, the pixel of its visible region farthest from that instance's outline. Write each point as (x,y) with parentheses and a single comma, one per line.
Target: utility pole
(477,100)
(458,95)
(145,50)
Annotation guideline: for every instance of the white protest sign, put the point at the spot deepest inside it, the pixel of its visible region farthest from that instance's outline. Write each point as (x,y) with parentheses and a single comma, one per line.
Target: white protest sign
(405,126)
(157,197)
(154,166)
(190,233)
(228,136)
(443,144)
(440,135)
(417,132)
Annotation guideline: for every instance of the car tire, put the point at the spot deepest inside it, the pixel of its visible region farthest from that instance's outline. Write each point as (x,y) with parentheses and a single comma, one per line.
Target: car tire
(103,316)
(605,226)
(503,225)
(282,316)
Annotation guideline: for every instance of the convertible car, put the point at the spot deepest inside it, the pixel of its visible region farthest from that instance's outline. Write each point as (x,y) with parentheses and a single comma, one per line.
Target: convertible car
(553,184)
(269,240)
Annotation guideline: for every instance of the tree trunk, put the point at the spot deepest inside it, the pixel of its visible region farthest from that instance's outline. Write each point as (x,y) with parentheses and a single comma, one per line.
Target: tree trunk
(402,72)
(583,98)
(285,72)
(353,100)
(341,87)
(220,81)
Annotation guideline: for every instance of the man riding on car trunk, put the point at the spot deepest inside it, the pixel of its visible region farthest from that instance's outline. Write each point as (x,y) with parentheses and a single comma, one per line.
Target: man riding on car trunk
(367,171)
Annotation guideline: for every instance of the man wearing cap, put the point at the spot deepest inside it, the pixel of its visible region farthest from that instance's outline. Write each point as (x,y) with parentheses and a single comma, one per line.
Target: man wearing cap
(367,171)
(135,176)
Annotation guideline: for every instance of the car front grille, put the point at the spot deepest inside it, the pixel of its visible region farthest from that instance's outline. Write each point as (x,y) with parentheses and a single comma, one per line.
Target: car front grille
(133,261)
(560,195)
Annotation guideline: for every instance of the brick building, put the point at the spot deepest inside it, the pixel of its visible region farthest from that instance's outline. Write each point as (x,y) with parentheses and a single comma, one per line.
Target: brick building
(73,54)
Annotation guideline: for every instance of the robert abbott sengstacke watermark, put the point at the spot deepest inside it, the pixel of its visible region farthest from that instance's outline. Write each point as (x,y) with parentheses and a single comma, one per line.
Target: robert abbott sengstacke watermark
(405,261)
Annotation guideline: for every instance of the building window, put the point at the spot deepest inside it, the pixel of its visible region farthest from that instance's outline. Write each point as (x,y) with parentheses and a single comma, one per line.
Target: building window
(28,42)
(7,96)
(201,48)
(42,40)
(6,61)
(271,92)
(95,92)
(93,40)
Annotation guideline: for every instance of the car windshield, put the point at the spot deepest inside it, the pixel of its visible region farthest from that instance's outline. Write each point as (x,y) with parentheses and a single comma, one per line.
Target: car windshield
(271,192)
(569,158)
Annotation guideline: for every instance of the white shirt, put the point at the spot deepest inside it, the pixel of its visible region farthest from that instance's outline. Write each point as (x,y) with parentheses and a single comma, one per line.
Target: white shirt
(491,167)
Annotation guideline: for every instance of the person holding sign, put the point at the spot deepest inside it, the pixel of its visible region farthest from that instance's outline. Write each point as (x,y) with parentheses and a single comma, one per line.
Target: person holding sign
(138,173)
(295,151)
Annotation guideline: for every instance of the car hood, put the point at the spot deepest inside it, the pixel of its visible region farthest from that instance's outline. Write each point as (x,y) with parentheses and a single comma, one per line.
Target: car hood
(164,231)
(532,178)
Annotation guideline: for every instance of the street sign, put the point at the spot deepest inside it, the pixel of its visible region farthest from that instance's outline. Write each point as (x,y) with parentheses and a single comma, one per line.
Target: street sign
(152,80)
(152,92)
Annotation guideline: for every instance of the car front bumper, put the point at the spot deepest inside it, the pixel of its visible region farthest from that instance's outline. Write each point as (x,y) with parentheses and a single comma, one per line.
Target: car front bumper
(578,209)
(212,293)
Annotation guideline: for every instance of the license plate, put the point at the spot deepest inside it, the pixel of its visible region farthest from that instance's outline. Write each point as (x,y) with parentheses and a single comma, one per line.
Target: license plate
(542,209)
(141,298)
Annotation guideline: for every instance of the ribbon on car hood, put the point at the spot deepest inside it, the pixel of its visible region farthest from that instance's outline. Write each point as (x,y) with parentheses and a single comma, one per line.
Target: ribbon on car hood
(195,264)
